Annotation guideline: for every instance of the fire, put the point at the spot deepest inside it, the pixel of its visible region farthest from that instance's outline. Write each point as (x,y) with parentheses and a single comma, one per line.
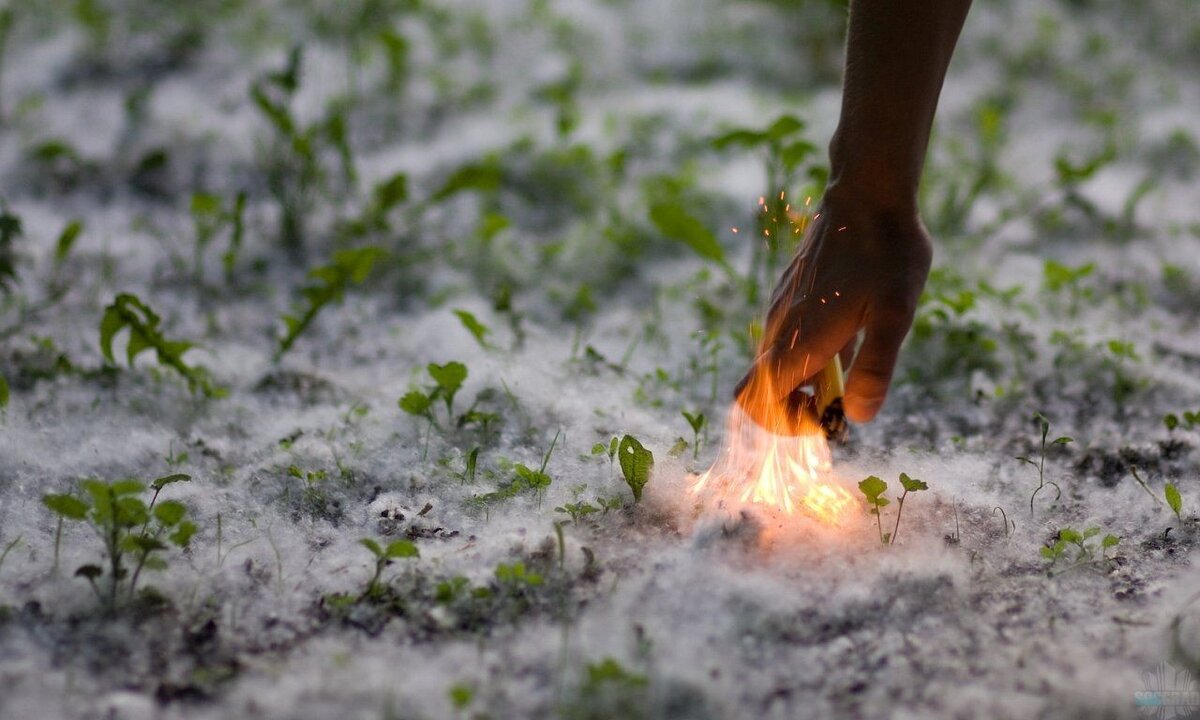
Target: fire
(786,473)
(776,454)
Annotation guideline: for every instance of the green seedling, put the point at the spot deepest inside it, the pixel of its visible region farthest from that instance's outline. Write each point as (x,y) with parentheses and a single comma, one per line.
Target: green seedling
(128,528)
(210,218)
(4,393)
(1085,553)
(610,450)
(697,422)
(523,479)
(637,464)
(461,695)
(330,282)
(1186,419)
(449,379)
(129,311)
(515,577)
(873,489)
(384,556)
(1044,422)
(578,509)
(1174,501)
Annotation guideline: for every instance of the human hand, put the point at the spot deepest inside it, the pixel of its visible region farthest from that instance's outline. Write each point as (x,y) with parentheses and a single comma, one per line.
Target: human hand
(860,270)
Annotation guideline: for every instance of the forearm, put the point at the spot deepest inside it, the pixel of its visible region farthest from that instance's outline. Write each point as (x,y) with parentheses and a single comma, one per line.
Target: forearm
(896,57)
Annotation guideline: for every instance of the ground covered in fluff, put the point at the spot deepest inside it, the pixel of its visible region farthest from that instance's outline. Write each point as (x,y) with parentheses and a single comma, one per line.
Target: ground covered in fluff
(327,198)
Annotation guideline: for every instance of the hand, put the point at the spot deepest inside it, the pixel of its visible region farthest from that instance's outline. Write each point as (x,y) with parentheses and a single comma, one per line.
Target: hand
(860,270)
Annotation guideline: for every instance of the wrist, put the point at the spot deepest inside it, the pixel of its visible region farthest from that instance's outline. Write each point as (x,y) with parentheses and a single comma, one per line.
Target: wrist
(864,176)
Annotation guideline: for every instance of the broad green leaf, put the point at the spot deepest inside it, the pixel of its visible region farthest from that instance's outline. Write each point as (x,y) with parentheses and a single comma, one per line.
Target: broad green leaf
(449,377)
(401,549)
(67,506)
(127,487)
(183,533)
(637,464)
(912,484)
(483,177)
(141,543)
(391,192)
(1070,535)
(169,512)
(676,223)
(373,546)
(873,487)
(416,402)
(1110,541)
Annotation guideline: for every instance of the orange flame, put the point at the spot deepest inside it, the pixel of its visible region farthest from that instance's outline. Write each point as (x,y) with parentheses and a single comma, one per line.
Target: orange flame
(786,473)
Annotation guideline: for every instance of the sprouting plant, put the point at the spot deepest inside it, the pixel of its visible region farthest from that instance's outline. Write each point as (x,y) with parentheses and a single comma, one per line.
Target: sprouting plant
(209,218)
(127,527)
(1057,277)
(384,556)
(330,282)
(578,509)
(1010,526)
(460,695)
(514,576)
(873,489)
(523,478)
(1174,500)
(1085,553)
(697,422)
(1186,419)
(129,311)
(601,449)
(637,464)
(449,379)
(1044,422)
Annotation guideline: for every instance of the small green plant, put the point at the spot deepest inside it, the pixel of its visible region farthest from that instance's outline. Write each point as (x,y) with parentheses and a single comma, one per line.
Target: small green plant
(579,509)
(697,422)
(637,464)
(129,311)
(514,576)
(1044,423)
(330,282)
(384,556)
(522,479)
(1085,552)
(210,217)
(873,489)
(461,695)
(1186,419)
(1174,501)
(129,529)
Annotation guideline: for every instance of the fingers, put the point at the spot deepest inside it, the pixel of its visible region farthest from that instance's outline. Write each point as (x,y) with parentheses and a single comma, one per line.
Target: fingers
(871,373)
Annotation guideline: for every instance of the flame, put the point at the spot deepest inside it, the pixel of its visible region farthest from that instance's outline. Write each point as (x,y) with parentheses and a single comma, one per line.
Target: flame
(777,456)
(786,473)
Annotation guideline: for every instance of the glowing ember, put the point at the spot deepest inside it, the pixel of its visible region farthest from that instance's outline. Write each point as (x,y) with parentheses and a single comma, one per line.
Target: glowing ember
(788,473)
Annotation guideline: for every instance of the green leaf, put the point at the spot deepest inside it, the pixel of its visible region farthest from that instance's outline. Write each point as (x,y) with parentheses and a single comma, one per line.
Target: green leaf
(873,487)
(482,177)
(169,512)
(695,421)
(66,240)
(373,546)
(599,449)
(183,533)
(401,549)
(449,377)
(127,487)
(91,572)
(3,393)
(476,328)
(141,543)
(1171,420)
(416,402)
(912,484)
(461,695)
(676,223)
(678,448)
(71,508)
(610,671)
(1062,440)
(1070,535)
(637,463)
(166,480)
(391,192)
(1110,541)
(1174,499)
